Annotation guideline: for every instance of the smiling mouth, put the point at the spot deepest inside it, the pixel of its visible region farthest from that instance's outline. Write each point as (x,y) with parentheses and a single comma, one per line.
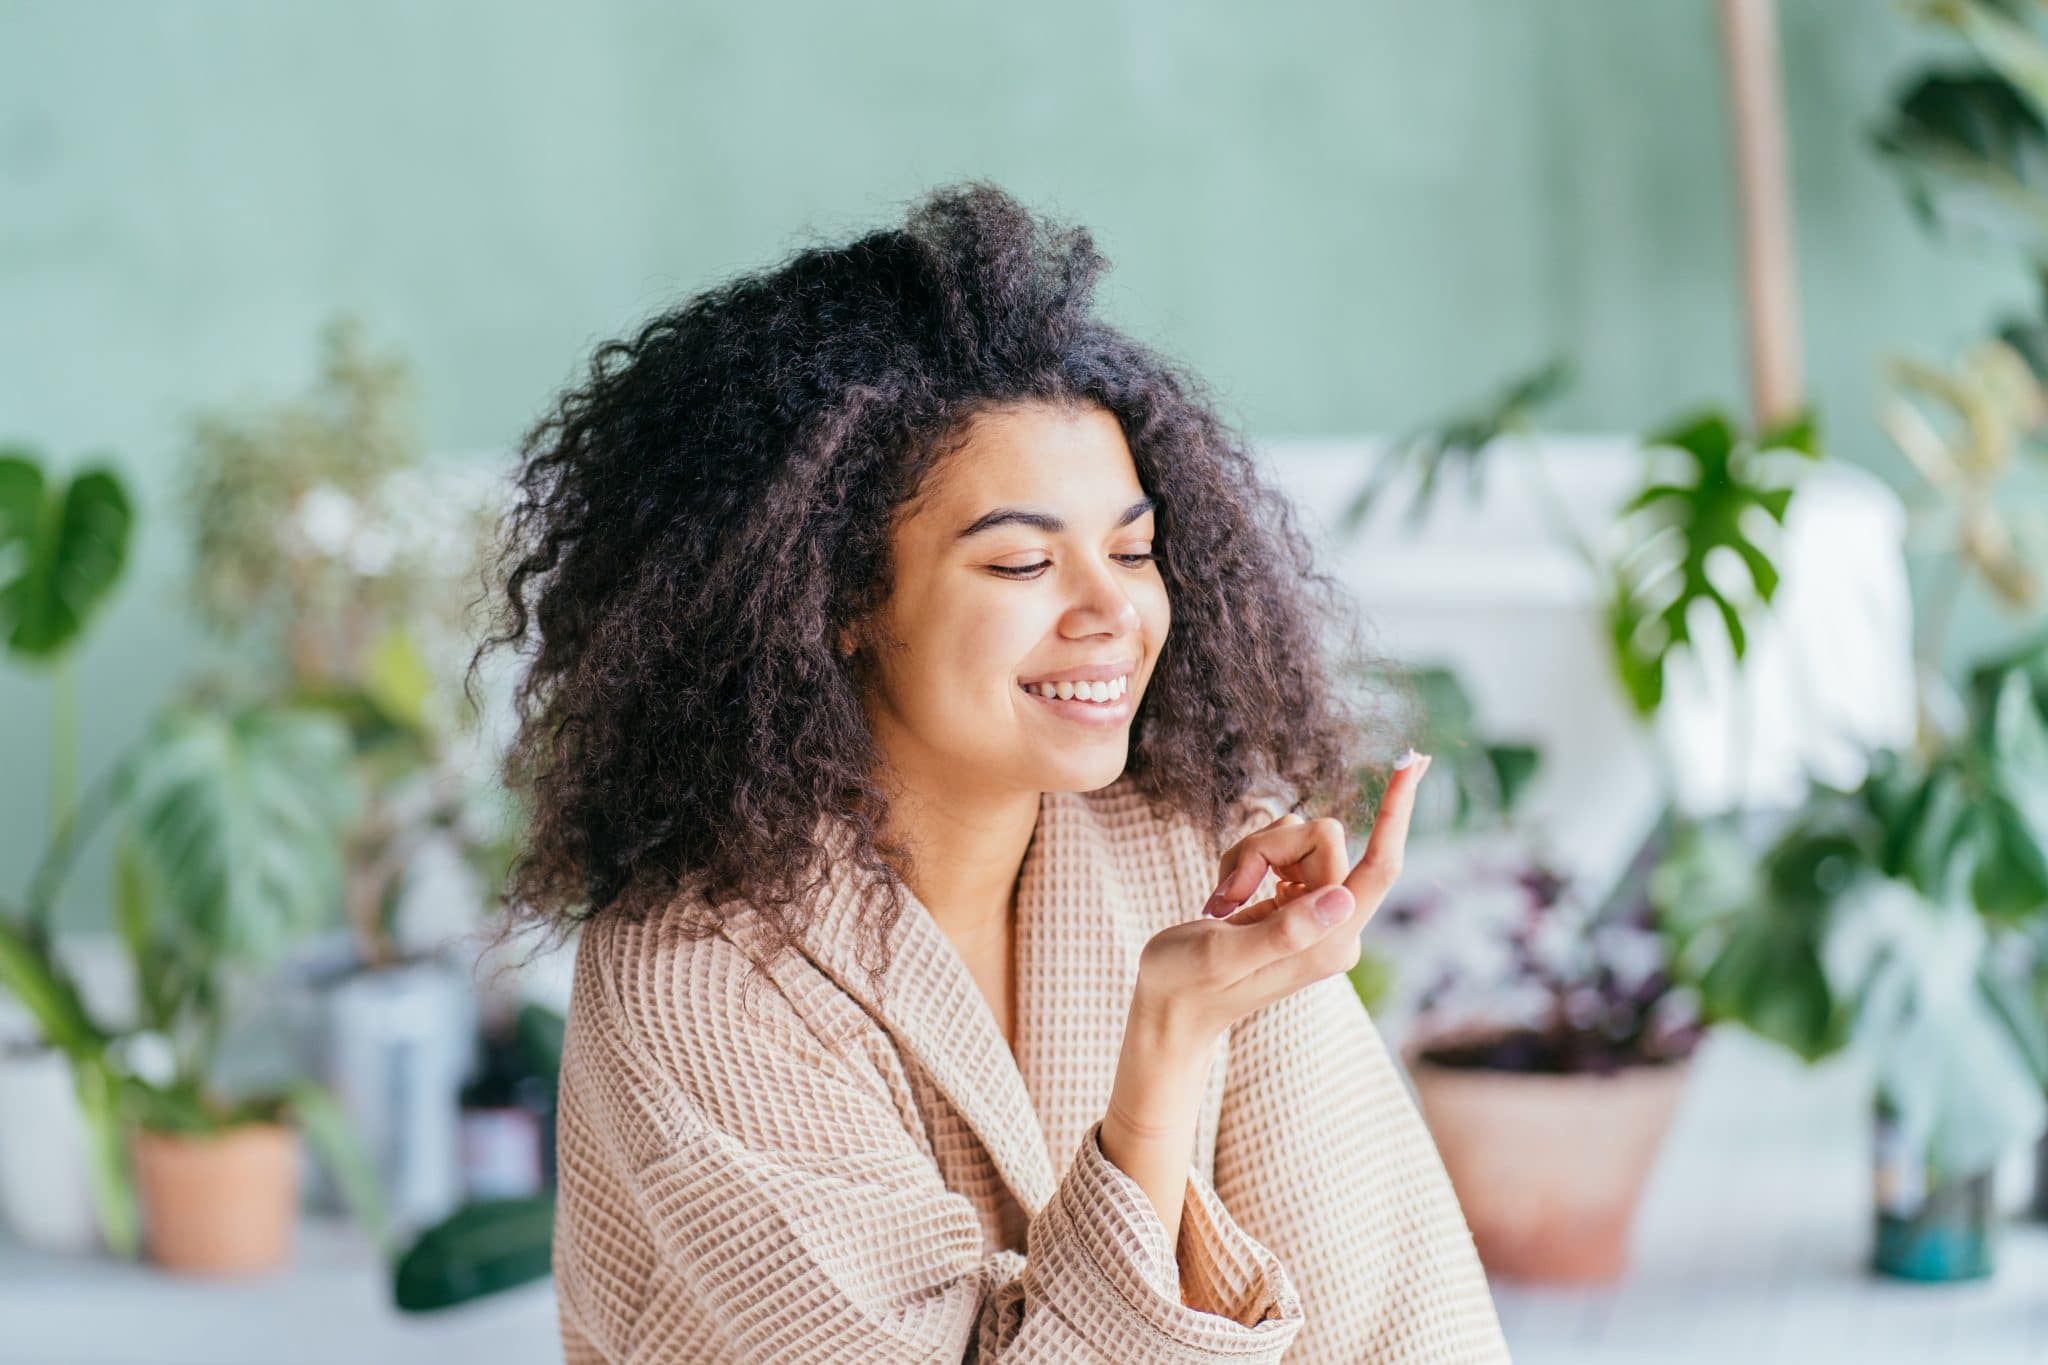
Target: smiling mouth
(1104,693)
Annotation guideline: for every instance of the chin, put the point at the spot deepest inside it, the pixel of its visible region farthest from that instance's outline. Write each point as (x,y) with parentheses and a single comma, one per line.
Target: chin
(1082,777)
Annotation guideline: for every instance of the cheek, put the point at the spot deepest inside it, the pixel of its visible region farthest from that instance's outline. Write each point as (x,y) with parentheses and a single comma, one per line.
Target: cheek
(972,647)
(1155,610)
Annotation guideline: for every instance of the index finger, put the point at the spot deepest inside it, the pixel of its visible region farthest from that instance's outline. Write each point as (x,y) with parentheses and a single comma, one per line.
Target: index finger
(1376,870)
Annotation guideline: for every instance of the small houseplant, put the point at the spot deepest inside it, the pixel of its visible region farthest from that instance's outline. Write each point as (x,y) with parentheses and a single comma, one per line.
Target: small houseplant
(1710,489)
(1547,1044)
(326,547)
(226,823)
(1893,918)
(65,546)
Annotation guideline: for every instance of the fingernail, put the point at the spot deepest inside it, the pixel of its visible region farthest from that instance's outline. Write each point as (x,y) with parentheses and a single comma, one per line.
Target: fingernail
(1218,905)
(1331,904)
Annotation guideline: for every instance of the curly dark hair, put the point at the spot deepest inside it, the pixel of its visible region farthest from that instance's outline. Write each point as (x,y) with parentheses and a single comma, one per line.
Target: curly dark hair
(701,517)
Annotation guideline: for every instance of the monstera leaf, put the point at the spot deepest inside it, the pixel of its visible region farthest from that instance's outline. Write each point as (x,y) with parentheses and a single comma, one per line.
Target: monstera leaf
(61,551)
(1973,154)
(1958,1069)
(1680,528)
(233,837)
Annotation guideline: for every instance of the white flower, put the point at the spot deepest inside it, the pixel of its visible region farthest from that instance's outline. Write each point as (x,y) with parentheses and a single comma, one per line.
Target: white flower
(326,518)
(371,551)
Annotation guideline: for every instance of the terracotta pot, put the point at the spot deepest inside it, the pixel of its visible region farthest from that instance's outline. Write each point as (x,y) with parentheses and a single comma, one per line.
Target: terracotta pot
(224,1204)
(1548,1168)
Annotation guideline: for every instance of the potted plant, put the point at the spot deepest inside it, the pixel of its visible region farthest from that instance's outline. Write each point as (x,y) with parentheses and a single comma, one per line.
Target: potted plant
(1707,487)
(1893,918)
(66,544)
(226,821)
(1545,1040)
(325,545)
(1967,142)
(1902,917)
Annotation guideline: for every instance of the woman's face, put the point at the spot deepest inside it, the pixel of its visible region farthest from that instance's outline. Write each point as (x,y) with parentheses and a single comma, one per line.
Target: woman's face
(1026,561)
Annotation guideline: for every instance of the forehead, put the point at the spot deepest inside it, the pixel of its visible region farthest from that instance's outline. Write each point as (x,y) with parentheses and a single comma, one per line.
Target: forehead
(1071,460)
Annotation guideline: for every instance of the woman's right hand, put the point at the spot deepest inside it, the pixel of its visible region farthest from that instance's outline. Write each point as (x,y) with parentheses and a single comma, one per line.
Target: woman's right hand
(1198,978)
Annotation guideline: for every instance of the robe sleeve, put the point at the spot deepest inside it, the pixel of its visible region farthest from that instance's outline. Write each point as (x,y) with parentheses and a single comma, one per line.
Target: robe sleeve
(807,1221)
(1324,1158)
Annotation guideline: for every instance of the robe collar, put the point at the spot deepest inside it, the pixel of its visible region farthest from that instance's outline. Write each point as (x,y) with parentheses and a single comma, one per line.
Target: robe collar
(1078,937)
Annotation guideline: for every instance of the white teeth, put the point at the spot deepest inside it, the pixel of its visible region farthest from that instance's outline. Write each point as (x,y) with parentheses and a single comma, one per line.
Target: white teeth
(1085,691)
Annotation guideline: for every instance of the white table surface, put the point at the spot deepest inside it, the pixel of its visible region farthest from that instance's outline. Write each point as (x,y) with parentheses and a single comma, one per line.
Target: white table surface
(1751,1242)
(1749,1247)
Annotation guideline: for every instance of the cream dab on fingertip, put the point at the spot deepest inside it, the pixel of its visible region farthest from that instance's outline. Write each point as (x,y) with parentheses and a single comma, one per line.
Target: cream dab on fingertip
(1407,757)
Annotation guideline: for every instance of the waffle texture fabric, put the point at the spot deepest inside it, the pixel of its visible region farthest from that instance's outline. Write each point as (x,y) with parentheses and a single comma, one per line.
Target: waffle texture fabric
(812,1170)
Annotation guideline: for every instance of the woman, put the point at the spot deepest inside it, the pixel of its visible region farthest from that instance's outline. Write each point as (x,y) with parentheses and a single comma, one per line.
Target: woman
(914,656)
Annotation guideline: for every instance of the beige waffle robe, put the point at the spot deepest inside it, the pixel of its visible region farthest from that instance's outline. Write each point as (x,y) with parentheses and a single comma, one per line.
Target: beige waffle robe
(810,1171)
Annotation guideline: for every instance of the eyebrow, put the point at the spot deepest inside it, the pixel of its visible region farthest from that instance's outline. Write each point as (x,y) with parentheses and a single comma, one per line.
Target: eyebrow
(1044,521)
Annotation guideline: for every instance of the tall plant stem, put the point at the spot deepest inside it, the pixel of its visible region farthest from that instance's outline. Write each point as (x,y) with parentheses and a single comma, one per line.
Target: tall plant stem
(1770,288)
(63,741)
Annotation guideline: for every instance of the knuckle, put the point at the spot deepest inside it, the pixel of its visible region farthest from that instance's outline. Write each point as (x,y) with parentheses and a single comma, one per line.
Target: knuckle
(1338,955)
(1354,949)
(1298,933)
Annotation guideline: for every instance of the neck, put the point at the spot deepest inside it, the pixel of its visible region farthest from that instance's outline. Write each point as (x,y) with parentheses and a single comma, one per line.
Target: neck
(966,854)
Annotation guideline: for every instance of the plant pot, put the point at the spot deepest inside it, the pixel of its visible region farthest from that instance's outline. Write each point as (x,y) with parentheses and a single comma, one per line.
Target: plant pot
(1549,1168)
(1928,1228)
(45,1188)
(395,1044)
(219,1204)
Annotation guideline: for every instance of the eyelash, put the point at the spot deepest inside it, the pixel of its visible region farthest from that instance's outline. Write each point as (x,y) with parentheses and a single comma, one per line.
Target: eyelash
(1033,570)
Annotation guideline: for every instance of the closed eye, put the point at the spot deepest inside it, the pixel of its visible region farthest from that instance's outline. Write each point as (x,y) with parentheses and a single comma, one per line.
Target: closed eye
(1034,570)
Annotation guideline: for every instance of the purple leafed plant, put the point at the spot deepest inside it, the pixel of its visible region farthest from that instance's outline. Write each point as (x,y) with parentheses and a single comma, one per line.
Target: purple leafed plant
(1520,975)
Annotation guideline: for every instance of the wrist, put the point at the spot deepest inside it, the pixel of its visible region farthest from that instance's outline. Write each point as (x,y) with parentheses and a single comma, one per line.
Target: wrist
(1166,1032)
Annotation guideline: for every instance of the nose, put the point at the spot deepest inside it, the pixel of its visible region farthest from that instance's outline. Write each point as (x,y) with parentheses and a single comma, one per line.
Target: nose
(1101,606)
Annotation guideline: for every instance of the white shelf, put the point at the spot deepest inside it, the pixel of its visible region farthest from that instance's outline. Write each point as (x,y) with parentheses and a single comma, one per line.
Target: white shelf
(1750,1246)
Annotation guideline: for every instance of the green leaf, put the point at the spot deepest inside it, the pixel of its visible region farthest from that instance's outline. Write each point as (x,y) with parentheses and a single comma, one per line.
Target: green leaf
(1973,155)
(540,1031)
(1945,1059)
(61,552)
(34,976)
(482,1248)
(1371,977)
(1467,437)
(396,676)
(2019,752)
(240,818)
(2017,1010)
(2001,35)
(331,1134)
(112,1185)
(1676,528)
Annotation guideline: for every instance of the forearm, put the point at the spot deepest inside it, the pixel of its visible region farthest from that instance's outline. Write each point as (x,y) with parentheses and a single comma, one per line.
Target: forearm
(1149,1131)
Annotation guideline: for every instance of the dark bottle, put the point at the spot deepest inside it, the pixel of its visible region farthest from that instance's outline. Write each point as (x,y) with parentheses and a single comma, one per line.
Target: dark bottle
(507,1122)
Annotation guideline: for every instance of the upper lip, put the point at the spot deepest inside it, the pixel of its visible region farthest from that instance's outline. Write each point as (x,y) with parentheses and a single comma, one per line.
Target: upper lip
(1115,668)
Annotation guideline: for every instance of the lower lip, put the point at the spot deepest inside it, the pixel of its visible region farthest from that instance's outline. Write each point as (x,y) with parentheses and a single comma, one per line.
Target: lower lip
(1106,713)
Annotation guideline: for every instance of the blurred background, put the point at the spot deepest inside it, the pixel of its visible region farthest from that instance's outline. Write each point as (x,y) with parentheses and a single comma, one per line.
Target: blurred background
(1664,379)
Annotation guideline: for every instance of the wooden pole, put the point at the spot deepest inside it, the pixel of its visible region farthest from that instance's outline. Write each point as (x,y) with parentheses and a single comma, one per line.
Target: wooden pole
(1770,290)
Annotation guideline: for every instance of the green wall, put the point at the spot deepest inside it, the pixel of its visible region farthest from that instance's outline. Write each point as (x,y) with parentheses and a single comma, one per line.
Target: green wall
(1346,216)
